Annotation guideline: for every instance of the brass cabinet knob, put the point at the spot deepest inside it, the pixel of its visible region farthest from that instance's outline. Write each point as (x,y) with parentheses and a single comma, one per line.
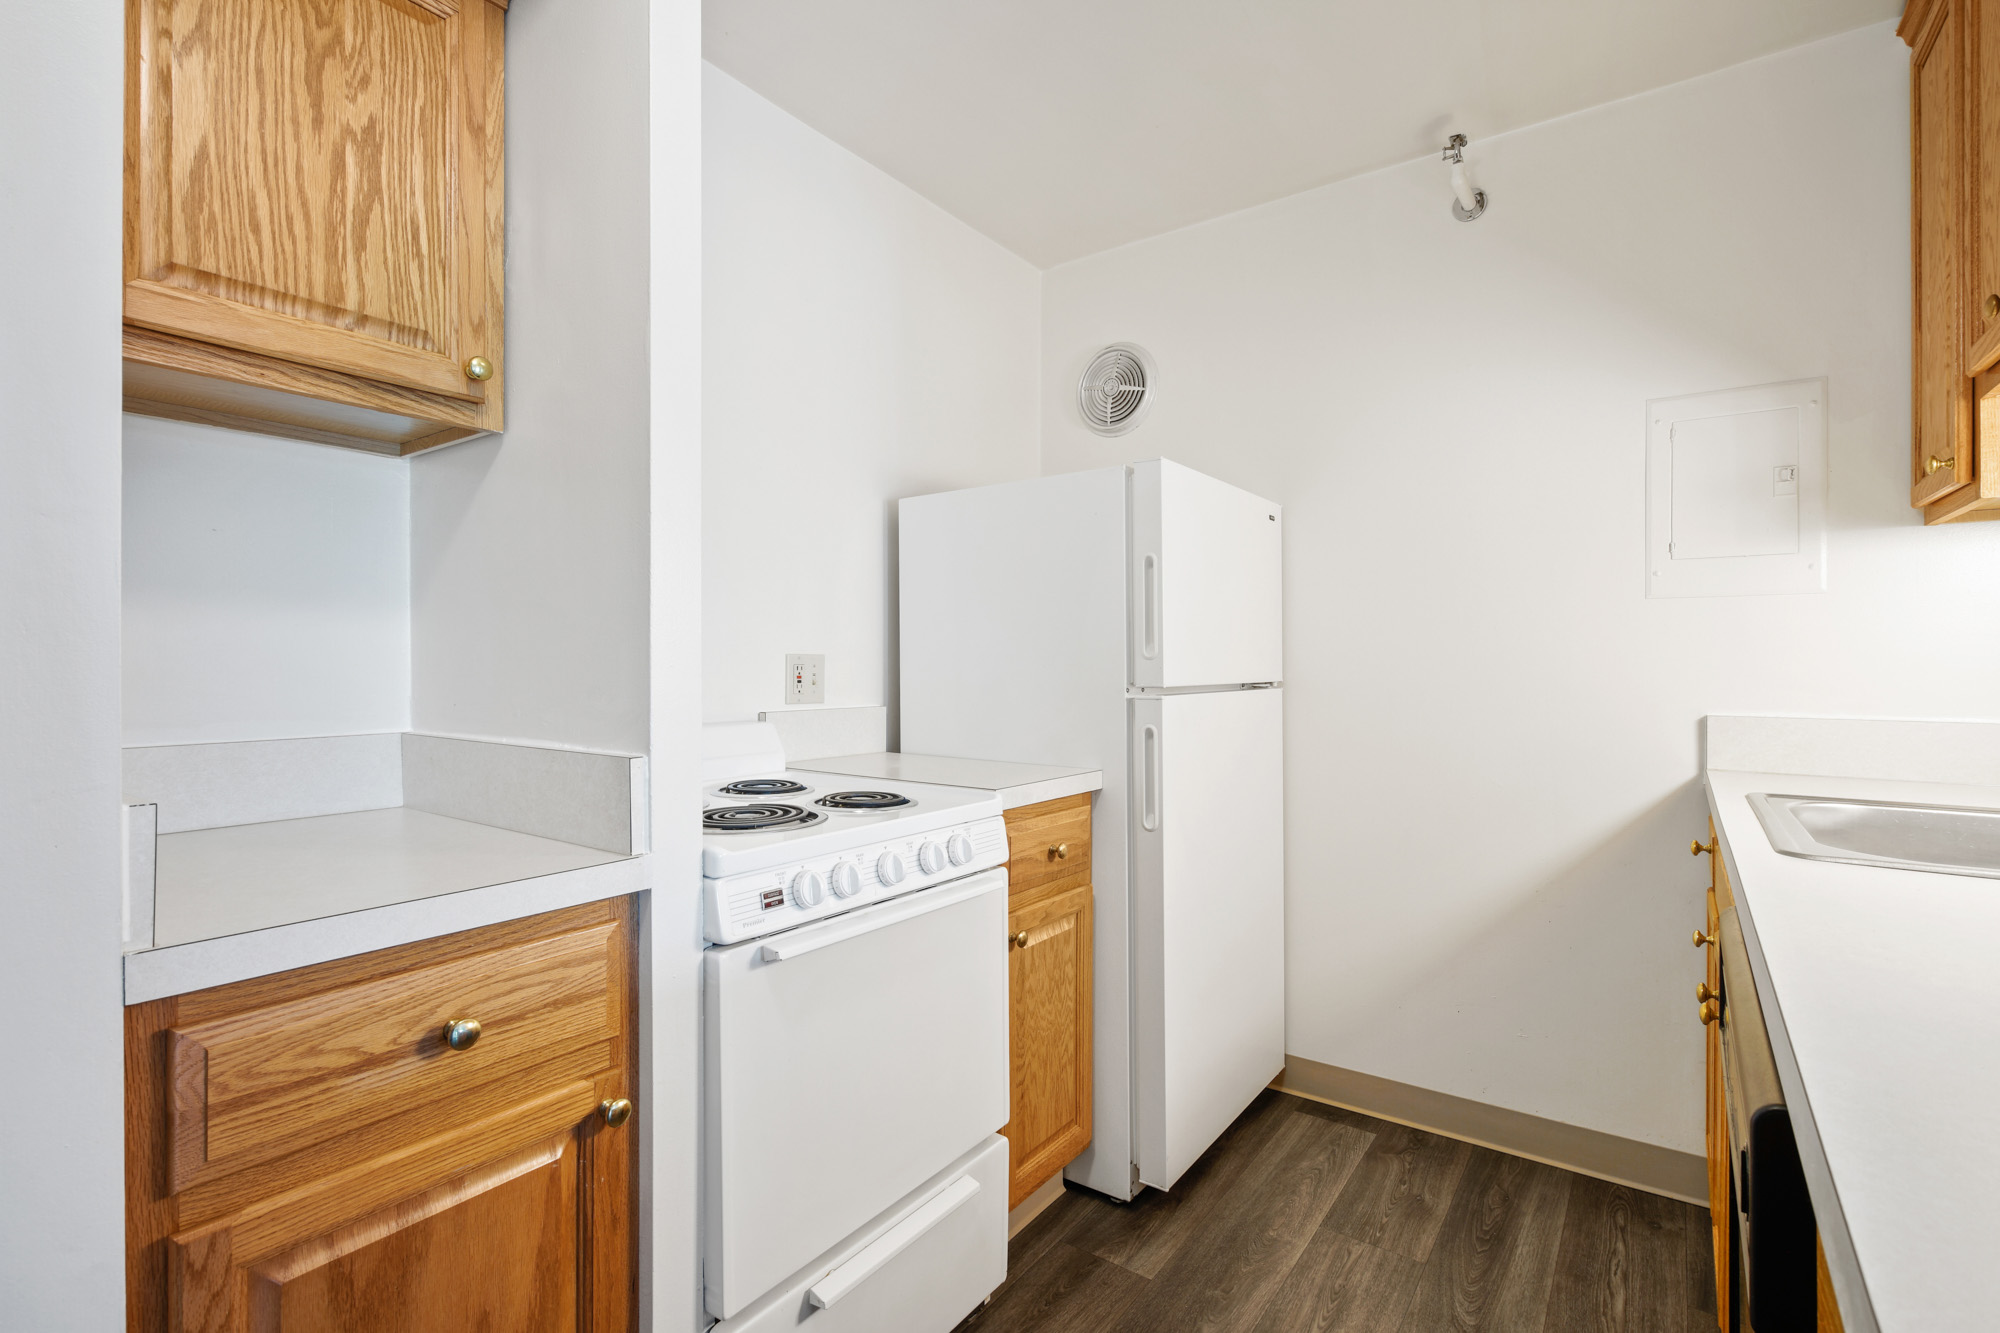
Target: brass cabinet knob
(1701,939)
(1710,1012)
(616,1111)
(1019,941)
(1992,306)
(479,368)
(1937,464)
(461,1033)
(1695,847)
(1059,852)
(1702,993)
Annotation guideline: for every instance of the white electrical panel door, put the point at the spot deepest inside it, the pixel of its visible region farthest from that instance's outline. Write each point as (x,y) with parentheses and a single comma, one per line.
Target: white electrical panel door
(1207,571)
(1208,917)
(845,1063)
(1736,492)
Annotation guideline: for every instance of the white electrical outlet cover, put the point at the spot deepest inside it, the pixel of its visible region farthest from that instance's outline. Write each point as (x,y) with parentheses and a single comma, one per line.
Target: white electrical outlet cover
(805,678)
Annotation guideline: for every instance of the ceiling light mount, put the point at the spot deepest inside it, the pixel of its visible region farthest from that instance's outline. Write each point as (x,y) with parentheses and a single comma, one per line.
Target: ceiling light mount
(1470,201)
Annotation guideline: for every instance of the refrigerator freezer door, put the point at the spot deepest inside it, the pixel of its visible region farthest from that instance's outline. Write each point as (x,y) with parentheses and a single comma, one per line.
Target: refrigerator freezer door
(1208,917)
(1206,570)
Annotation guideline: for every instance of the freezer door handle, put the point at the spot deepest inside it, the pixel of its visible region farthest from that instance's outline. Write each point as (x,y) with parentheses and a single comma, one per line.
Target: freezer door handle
(1149,778)
(1149,626)
(842,929)
(891,1243)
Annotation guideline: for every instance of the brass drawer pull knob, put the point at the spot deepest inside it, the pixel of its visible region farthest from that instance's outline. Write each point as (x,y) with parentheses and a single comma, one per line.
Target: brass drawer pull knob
(1939,464)
(616,1111)
(1019,941)
(1992,306)
(1059,852)
(1702,993)
(1701,939)
(1695,847)
(479,368)
(1710,1012)
(461,1033)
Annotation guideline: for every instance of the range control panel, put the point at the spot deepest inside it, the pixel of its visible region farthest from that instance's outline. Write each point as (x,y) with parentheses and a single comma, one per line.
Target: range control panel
(758,902)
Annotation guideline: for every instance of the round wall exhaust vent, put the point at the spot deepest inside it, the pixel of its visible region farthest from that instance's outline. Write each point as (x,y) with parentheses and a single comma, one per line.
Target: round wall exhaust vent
(1116,389)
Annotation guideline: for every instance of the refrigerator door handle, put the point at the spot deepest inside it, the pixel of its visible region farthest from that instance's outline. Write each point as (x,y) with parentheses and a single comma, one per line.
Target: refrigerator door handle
(1149,629)
(1149,778)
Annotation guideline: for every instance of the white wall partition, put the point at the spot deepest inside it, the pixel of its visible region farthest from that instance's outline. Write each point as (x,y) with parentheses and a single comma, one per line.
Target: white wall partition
(61,1160)
(1491,730)
(861,344)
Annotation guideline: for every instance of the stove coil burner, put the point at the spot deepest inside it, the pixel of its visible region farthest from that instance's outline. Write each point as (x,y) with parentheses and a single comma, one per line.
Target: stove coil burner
(757,818)
(864,800)
(763,787)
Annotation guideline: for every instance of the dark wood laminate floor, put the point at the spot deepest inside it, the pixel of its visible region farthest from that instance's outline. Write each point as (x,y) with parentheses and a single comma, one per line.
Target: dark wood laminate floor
(1306,1218)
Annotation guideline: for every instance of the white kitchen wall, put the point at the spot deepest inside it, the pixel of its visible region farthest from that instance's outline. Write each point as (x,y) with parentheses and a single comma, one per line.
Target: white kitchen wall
(267,587)
(530,552)
(62,1101)
(1491,767)
(860,345)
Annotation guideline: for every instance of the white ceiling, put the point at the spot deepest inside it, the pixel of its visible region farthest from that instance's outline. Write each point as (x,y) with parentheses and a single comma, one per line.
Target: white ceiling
(1064,127)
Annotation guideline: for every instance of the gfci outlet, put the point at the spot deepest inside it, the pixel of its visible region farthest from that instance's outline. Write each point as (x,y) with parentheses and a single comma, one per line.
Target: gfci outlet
(805,678)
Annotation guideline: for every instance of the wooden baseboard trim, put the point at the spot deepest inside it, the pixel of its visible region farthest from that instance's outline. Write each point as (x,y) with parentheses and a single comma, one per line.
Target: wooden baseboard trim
(1031,1207)
(1643,1166)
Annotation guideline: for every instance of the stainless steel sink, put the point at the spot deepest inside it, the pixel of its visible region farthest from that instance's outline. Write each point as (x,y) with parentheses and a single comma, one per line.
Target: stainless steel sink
(1952,840)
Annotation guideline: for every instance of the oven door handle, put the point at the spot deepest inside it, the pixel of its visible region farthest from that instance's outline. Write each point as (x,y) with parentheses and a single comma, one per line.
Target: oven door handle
(810,939)
(891,1243)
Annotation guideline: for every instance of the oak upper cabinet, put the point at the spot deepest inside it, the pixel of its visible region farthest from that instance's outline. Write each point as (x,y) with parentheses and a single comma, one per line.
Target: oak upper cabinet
(1049,990)
(433,1137)
(314,217)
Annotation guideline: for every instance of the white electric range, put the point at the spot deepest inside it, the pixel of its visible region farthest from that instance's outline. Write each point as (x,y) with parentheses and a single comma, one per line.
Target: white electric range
(854,1046)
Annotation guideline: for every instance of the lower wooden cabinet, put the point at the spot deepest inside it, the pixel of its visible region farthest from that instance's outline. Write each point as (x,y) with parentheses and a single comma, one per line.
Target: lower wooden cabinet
(1715,1113)
(431,1137)
(1049,993)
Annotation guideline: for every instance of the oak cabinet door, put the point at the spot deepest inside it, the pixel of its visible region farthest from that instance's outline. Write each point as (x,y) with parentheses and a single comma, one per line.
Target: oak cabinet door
(1941,453)
(314,181)
(503,1203)
(1049,1009)
(1981,23)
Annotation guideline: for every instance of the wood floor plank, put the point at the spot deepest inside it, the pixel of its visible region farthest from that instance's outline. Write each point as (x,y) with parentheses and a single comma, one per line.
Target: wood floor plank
(1494,1259)
(1147,1233)
(1414,1232)
(1622,1265)
(1066,1290)
(1399,1196)
(1339,1285)
(1234,1262)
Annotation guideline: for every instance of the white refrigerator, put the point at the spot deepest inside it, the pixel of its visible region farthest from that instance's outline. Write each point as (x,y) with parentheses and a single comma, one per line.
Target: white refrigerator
(1128,619)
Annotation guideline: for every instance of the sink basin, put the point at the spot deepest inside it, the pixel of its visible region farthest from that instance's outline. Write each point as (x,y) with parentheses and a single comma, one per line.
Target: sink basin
(1951,840)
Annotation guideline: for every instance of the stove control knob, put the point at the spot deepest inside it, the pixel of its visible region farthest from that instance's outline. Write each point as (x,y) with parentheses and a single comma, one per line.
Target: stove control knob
(959,848)
(808,888)
(889,868)
(845,880)
(931,857)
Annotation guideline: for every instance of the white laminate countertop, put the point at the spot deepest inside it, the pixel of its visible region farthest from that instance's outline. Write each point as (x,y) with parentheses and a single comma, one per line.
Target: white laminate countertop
(1018,784)
(1882,990)
(252,899)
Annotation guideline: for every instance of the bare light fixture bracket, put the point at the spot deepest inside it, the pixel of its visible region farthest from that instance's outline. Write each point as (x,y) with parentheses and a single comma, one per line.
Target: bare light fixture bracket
(1470,201)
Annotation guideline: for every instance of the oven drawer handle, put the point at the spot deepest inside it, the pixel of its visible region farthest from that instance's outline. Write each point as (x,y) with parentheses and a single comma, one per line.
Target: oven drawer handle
(919,904)
(891,1243)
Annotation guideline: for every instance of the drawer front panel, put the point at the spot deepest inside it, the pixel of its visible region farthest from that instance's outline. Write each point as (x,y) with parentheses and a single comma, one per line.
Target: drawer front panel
(1048,843)
(258,1085)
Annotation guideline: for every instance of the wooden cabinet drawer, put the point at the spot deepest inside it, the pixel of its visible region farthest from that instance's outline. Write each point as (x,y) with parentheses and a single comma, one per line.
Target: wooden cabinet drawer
(1048,844)
(253,1086)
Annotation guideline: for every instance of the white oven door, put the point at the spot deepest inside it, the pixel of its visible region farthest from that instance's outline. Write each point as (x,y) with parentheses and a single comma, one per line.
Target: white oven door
(846,1063)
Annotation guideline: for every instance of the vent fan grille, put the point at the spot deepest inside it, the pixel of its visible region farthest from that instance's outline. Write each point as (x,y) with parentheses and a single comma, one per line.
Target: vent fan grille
(1116,389)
